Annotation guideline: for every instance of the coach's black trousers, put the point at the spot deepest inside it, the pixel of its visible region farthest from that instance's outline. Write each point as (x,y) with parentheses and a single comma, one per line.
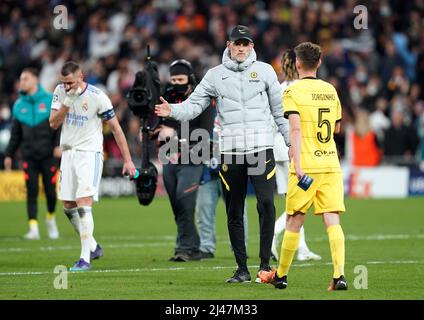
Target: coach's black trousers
(32,169)
(181,183)
(234,174)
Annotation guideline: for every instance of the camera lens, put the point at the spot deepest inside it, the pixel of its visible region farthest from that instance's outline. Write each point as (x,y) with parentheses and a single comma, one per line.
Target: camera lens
(138,96)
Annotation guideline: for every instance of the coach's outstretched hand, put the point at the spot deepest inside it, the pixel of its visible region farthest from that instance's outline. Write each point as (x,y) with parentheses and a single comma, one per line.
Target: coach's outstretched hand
(163,109)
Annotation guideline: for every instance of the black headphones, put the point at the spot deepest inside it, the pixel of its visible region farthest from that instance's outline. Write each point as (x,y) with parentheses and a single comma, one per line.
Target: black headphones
(184,62)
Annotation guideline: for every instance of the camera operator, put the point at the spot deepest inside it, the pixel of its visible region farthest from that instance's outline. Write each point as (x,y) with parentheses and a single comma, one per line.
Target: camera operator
(182,180)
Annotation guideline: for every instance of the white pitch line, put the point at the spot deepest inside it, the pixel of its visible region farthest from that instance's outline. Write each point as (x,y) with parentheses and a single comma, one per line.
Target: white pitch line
(199,268)
(166,242)
(110,246)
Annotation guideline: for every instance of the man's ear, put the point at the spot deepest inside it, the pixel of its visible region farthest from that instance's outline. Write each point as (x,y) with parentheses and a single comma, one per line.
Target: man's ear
(298,65)
(319,63)
(228,44)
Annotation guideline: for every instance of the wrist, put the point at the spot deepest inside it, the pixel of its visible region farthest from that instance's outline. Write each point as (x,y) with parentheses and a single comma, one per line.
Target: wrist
(68,102)
(170,115)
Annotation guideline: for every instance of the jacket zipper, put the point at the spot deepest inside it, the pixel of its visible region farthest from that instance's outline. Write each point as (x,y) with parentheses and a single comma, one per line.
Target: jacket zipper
(243,111)
(33,131)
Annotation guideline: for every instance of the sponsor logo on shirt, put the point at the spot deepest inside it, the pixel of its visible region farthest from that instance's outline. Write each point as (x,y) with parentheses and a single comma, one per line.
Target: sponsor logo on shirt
(324,153)
(76,120)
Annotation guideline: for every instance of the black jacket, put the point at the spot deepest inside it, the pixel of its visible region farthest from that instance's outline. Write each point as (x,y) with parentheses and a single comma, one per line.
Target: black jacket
(204,121)
(31,130)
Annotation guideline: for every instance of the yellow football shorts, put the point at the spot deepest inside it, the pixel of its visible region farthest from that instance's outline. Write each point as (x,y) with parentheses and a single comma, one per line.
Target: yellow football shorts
(325,193)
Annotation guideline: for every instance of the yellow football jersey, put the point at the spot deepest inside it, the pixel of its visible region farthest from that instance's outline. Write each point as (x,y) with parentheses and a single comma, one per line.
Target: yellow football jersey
(318,105)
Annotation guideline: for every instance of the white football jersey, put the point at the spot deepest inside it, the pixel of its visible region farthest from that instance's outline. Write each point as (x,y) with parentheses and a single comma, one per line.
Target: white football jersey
(280,148)
(82,128)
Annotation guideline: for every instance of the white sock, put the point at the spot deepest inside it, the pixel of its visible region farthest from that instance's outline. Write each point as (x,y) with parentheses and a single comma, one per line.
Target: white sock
(280,225)
(93,243)
(86,231)
(73,217)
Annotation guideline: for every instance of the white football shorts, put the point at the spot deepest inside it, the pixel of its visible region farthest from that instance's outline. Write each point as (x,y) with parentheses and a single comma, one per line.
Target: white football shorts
(80,174)
(282,176)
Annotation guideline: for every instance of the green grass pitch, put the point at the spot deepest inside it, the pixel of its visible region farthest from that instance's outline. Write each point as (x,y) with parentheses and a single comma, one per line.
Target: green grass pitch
(385,236)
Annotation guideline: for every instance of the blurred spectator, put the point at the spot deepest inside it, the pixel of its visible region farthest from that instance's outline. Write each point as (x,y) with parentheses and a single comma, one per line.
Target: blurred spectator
(378,119)
(190,20)
(400,140)
(365,146)
(110,38)
(398,82)
(390,60)
(419,126)
(5,126)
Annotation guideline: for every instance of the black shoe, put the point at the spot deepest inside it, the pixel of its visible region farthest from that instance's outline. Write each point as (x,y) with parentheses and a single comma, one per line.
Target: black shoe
(239,276)
(339,284)
(181,256)
(280,283)
(207,255)
(195,255)
(266,268)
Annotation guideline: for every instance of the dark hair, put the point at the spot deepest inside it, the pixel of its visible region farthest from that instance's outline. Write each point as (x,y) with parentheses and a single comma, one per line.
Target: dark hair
(33,71)
(288,65)
(308,54)
(69,67)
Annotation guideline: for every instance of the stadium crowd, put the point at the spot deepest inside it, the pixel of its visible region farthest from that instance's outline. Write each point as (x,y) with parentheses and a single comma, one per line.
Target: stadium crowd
(378,70)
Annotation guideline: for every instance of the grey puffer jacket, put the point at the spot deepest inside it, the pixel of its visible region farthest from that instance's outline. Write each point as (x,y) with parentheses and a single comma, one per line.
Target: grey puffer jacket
(248,101)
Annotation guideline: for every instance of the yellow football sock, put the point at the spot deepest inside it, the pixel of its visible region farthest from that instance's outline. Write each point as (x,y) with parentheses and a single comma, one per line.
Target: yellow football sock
(288,249)
(337,247)
(50,215)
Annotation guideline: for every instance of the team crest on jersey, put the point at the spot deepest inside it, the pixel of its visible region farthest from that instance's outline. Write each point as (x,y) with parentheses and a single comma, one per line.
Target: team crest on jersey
(253,77)
(55,98)
(224,168)
(85,106)
(42,107)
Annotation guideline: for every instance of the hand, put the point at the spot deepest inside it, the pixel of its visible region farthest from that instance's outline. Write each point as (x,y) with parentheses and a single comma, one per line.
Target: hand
(154,134)
(150,134)
(57,152)
(299,172)
(71,96)
(163,109)
(7,163)
(128,168)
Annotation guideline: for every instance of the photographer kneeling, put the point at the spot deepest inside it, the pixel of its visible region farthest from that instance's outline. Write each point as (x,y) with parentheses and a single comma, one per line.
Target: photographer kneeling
(182,179)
